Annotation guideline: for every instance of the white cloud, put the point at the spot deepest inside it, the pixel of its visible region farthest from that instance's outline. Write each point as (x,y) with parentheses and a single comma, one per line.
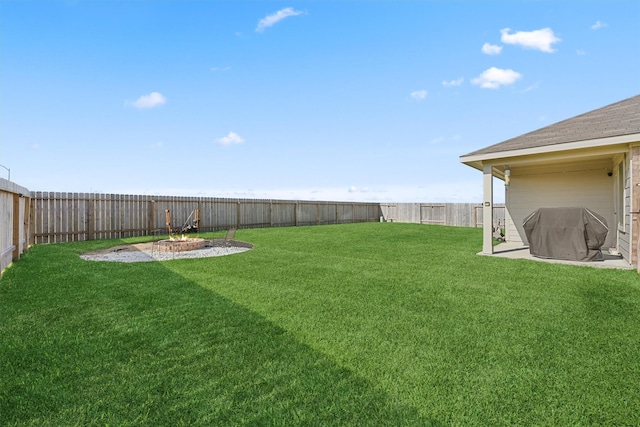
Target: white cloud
(532,87)
(491,49)
(440,139)
(542,39)
(493,78)
(354,189)
(220,68)
(232,138)
(271,20)
(154,99)
(581,52)
(598,25)
(419,95)
(457,82)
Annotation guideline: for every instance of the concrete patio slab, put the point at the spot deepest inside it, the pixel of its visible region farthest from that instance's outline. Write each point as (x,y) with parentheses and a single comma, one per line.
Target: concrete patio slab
(517,251)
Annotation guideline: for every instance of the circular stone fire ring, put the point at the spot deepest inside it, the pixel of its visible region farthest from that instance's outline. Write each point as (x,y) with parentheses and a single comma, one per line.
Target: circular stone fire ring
(181,245)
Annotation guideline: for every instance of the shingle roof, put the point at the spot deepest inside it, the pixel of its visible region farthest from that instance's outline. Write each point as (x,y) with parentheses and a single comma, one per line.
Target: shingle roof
(620,118)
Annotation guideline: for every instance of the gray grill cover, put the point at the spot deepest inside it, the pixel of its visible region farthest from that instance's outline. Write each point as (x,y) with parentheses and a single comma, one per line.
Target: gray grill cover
(575,234)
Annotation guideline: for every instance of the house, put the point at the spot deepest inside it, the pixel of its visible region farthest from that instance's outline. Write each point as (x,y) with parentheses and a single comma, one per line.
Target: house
(591,160)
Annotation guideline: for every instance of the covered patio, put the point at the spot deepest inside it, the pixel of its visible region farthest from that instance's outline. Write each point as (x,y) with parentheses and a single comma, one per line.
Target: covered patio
(588,161)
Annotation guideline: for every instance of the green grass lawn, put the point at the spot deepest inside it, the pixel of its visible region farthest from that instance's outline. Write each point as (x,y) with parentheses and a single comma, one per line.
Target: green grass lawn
(358,324)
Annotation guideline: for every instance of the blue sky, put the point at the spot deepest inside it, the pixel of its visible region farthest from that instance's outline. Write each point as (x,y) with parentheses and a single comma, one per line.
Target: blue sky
(309,100)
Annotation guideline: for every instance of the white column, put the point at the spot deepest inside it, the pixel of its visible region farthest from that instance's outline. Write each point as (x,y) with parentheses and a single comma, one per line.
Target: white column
(487,210)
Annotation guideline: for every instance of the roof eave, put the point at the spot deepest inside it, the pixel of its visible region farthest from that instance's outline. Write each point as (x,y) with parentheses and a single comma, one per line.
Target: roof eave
(477,160)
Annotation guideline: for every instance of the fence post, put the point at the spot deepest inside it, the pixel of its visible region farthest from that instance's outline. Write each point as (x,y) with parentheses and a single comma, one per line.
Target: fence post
(196,216)
(26,226)
(270,213)
(152,217)
(32,222)
(238,215)
(16,227)
(91,229)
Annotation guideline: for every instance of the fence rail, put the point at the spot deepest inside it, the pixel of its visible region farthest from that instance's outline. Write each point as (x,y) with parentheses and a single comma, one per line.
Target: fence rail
(66,217)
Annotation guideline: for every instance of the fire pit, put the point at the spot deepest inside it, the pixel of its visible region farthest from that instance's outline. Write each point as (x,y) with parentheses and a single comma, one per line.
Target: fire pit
(181,245)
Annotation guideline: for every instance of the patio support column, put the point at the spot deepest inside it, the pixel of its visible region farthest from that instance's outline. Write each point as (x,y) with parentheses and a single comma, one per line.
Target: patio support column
(635,206)
(487,210)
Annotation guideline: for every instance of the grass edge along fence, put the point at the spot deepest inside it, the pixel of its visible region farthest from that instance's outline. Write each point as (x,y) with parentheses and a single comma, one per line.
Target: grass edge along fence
(14,222)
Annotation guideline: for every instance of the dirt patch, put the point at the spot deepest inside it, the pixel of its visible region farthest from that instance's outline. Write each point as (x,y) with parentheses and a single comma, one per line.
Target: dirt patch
(149,251)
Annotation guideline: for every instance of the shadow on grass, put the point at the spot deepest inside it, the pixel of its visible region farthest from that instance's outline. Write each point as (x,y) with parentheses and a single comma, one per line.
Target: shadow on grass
(135,344)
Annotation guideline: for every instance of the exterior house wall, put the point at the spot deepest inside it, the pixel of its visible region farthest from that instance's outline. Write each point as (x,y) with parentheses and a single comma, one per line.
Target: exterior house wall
(580,184)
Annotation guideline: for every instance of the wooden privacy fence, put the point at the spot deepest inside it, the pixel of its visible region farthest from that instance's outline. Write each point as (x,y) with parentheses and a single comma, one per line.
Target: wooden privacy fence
(66,217)
(14,222)
(456,214)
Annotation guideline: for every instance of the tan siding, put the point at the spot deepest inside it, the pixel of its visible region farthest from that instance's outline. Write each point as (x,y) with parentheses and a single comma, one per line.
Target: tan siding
(583,184)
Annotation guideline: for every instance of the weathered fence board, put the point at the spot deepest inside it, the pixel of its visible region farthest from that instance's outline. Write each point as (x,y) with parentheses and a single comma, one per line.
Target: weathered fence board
(433,214)
(456,214)
(6,237)
(15,217)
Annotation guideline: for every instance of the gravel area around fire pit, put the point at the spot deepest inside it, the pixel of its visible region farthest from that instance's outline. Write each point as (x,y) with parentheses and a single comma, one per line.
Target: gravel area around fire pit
(145,252)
